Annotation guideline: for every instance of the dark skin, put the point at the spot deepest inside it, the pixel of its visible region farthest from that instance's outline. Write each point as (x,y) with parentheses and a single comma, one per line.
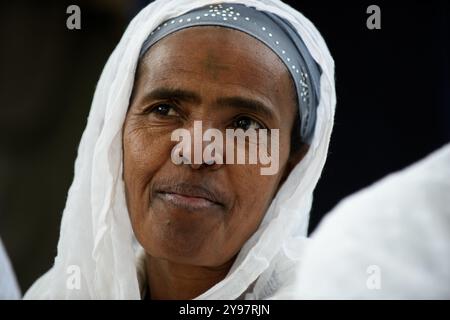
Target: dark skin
(192,236)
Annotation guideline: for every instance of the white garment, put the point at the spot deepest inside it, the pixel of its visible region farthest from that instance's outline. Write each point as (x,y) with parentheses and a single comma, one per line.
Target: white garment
(9,290)
(96,233)
(388,241)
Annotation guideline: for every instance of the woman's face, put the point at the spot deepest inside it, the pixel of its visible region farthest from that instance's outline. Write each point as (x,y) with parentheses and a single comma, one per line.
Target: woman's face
(202,214)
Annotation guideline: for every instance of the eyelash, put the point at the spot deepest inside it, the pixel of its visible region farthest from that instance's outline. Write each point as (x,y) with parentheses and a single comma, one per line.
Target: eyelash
(175,108)
(254,121)
(155,108)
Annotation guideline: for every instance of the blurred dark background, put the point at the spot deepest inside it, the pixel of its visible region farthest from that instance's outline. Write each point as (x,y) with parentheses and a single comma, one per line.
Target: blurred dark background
(393,103)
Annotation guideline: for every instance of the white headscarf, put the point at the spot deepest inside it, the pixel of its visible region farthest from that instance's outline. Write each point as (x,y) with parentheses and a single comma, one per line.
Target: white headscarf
(96,235)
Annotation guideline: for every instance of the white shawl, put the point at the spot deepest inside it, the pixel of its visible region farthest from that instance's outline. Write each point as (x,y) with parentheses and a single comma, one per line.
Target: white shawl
(390,240)
(9,290)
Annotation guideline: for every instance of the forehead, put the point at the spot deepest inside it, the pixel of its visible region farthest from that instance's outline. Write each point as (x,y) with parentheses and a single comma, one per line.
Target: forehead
(213,59)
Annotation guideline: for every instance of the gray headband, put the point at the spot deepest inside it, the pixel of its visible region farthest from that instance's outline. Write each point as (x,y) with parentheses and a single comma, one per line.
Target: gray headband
(275,32)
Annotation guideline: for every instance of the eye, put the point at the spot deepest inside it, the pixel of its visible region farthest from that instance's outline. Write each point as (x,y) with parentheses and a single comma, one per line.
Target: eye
(164,110)
(246,123)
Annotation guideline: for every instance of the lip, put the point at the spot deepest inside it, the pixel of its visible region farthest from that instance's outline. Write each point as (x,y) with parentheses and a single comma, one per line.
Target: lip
(186,202)
(188,196)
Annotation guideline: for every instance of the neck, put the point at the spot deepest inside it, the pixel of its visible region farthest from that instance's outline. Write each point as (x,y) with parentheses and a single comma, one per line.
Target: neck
(173,281)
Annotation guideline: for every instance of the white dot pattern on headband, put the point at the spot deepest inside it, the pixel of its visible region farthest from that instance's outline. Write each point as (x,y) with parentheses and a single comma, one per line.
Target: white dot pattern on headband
(304,94)
(218,12)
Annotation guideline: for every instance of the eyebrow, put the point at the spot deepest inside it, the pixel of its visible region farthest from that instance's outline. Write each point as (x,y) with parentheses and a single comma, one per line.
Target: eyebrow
(235,102)
(165,93)
(250,105)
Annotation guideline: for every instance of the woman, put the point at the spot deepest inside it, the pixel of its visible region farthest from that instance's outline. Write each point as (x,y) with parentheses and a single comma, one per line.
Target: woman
(138,224)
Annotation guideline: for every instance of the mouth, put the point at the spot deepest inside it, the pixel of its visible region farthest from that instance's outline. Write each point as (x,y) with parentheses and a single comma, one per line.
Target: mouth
(189,196)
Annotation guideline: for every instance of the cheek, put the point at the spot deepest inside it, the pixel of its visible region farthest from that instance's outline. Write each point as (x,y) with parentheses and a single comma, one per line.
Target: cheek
(254,193)
(145,150)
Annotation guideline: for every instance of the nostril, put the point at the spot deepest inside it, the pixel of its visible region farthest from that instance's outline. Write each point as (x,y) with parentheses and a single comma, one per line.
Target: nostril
(195,166)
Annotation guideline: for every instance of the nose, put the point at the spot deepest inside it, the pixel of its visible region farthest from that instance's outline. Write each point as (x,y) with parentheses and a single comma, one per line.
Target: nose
(205,150)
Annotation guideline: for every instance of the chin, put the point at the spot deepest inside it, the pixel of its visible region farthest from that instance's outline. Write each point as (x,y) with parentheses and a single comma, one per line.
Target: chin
(179,246)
